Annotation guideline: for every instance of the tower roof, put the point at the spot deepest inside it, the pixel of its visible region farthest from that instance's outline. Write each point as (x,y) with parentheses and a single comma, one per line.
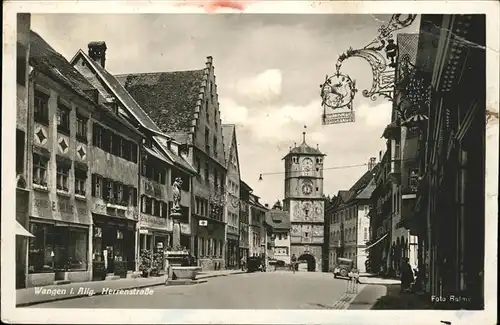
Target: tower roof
(304,149)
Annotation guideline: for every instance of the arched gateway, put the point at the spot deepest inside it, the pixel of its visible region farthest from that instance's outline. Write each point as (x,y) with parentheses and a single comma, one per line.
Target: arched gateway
(310,260)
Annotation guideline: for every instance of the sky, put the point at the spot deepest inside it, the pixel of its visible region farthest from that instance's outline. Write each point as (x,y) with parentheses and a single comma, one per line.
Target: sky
(268,70)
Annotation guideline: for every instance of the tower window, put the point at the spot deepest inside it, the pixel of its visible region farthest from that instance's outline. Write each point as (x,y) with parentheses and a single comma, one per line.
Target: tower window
(295,160)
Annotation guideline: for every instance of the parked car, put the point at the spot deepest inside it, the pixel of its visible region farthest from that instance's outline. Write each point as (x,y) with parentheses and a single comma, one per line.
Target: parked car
(343,267)
(254,264)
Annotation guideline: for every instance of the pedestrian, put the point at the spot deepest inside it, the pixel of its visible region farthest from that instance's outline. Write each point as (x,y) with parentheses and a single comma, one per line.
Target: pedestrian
(406,274)
(242,263)
(294,261)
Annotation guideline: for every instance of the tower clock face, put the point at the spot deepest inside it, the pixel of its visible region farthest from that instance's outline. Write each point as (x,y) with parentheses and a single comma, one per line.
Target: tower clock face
(307,165)
(307,189)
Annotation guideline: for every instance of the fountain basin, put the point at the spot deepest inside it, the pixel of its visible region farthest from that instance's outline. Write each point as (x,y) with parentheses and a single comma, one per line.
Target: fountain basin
(185,272)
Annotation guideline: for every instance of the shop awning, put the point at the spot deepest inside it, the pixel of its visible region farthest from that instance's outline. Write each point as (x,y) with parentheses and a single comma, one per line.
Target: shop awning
(375,243)
(21,231)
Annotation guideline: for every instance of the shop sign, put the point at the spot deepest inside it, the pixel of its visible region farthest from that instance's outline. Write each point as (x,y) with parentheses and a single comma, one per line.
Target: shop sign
(62,209)
(153,222)
(185,228)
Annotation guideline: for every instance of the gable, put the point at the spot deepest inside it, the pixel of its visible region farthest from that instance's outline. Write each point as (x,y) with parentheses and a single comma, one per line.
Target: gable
(110,89)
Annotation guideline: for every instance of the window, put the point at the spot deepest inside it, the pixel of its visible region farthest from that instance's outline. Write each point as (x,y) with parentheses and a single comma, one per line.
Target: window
(215,146)
(97,183)
(97,136)
(143,204)
(206,110)
(62,177)
(19,151)
(207,173)
(118,192)
(285,236)
(295,160)
(365,234)
(81,128)
(21,64)
(40,170)
(197,164)
(306,235)
(63,118)
(41,104)
(80,180)
(108,189)
(207,141)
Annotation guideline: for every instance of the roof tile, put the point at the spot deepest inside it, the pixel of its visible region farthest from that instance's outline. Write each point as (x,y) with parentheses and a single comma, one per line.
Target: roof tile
(169,98)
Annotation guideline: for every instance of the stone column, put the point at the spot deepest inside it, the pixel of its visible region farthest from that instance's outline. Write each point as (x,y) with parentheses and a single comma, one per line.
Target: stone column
(176,240)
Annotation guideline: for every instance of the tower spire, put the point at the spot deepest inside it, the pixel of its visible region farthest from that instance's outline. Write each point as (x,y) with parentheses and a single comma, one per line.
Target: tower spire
(304,134)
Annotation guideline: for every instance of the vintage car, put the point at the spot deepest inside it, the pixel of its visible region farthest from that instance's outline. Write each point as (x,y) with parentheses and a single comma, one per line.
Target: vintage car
(343,268)
(255,264)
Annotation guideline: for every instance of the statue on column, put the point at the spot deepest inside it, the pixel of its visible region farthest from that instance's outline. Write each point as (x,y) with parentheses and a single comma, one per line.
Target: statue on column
(176,191)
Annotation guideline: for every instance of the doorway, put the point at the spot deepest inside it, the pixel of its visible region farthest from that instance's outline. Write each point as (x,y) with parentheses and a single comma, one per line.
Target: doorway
(310,260)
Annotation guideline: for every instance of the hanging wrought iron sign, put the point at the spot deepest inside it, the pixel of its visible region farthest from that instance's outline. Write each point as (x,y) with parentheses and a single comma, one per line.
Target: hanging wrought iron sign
(338,91)
(337,94)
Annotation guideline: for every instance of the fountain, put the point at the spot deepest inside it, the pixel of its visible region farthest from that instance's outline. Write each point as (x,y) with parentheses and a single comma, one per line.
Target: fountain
(178,263)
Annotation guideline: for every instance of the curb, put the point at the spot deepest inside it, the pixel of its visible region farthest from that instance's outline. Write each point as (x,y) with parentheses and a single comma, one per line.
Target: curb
(31,303)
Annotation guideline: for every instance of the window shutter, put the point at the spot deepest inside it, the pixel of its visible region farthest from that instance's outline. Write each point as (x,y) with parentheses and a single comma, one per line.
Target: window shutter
(126,194)
(134,196)
(105,189)
(93,184)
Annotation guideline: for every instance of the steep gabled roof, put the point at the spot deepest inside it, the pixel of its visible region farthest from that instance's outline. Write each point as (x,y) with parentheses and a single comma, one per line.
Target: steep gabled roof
(177,159)
(278,220)
(47,60)
(120,92)
(169,98)
(44,58)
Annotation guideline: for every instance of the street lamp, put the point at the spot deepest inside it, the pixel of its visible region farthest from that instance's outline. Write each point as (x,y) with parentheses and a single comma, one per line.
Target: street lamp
(339,90)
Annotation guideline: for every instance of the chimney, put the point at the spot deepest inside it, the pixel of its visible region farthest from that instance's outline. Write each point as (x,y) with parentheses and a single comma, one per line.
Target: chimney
(372,163)
(209,61)
(97,52)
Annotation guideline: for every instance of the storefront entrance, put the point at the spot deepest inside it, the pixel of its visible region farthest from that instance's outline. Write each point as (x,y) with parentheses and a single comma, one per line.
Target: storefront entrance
(113,247)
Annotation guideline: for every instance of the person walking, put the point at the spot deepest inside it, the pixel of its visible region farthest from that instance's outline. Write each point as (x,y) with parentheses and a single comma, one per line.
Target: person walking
(294,262)
(242,263)
(406,274)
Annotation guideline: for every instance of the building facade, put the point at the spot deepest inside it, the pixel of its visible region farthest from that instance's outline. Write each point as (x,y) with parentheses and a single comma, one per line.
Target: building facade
(244,236)
(350,223)
(278,227)
(193,120)
(305,203)
(232,208)
(158,163)
(450,195)
(256,226)
(22,145)
(62,108)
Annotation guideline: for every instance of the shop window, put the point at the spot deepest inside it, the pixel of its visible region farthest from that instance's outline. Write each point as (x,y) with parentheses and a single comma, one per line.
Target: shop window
(80,181)
(57,248)
(81,128)
(41,105)
(63,119)
(62,177)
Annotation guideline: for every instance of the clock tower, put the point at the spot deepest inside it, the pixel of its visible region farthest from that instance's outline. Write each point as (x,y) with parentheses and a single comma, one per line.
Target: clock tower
(304,203)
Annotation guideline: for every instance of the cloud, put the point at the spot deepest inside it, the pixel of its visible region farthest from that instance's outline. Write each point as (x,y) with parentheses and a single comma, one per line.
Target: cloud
(231,112)
(264,86)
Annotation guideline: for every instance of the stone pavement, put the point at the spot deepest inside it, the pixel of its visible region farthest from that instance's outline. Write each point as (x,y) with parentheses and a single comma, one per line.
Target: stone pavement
(37,295)
(367,297)
(378,280)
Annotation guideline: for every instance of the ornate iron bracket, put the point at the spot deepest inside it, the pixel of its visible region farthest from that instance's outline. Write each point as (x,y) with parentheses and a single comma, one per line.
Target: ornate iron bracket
(383,70)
